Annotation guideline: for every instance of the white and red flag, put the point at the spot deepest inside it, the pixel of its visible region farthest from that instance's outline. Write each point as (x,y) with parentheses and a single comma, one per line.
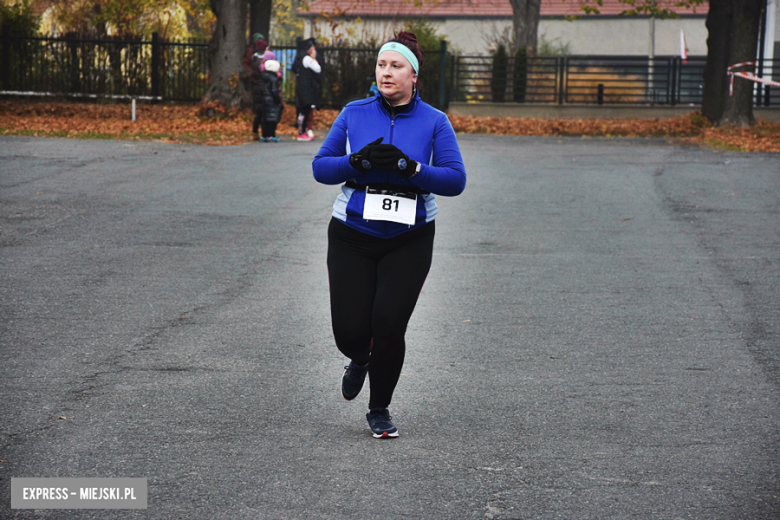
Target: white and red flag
(683,47)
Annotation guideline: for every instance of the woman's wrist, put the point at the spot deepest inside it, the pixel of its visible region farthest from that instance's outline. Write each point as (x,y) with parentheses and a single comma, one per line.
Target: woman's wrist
(417,168)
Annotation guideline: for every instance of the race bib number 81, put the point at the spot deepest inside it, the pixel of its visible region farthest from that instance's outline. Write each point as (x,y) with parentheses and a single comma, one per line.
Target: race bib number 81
(391,206)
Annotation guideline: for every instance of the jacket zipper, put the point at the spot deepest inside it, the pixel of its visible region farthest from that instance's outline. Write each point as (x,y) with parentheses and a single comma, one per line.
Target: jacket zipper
(392,123)
(392,127)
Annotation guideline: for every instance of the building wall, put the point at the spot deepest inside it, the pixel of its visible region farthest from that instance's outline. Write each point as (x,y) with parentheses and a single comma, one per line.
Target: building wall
(605,36)
(628,36)
(775,6)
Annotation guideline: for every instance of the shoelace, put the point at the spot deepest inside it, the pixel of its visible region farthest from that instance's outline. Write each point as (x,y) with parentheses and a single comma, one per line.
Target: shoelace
(353,369)
(384,416)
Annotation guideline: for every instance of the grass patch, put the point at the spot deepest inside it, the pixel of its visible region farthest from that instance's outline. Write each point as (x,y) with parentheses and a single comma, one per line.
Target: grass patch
(719,144)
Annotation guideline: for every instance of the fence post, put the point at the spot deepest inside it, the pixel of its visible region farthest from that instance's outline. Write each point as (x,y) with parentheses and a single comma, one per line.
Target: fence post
(562,73)
(452,80)
(673,81)
(6,66)
(155,65)
(454,93)
(75,69)
(520,75)
(443,75)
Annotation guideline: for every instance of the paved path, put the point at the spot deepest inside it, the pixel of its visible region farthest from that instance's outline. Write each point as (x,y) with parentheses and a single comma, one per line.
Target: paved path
(599,336)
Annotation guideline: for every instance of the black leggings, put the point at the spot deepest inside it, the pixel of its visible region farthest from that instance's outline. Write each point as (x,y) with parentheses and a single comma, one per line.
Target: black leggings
(269,128)
(374,286)
(304,114)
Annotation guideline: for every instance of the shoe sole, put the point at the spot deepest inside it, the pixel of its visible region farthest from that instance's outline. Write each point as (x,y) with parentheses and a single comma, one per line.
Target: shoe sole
(385,435)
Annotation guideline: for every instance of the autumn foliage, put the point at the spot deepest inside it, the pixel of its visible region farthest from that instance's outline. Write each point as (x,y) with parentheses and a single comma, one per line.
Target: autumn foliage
(197,124)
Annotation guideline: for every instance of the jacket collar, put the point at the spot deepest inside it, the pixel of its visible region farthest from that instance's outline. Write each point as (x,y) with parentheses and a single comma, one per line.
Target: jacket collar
(399,109)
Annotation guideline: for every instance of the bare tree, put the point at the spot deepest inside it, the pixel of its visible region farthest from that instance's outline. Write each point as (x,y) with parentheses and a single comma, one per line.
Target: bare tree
(227,49)
(525,24)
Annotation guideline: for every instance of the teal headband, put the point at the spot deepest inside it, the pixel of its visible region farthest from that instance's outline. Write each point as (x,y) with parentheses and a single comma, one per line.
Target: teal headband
(404,51)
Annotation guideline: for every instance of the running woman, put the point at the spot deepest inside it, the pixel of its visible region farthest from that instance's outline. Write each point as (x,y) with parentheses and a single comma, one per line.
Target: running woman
(391,154)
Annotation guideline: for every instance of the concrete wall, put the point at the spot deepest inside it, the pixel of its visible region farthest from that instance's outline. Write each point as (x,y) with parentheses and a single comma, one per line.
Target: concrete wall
(775,6)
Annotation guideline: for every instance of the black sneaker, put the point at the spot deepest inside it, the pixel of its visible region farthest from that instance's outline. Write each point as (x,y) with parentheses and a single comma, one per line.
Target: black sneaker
(379,421)
(352,381)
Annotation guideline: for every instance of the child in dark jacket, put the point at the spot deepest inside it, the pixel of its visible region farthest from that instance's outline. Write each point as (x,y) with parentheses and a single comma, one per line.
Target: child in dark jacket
(272,101)
(252,62)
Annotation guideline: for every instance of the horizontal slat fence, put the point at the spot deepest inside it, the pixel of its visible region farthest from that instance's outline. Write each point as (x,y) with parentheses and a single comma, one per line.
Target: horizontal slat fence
(612,80)
(178,71)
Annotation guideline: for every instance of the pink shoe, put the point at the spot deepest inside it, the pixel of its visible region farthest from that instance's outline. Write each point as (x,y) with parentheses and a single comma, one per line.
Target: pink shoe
(305,137)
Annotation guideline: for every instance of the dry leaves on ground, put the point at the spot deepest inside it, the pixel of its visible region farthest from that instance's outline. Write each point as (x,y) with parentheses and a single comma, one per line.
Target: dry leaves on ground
(167,123)
(693,128)
(184,123)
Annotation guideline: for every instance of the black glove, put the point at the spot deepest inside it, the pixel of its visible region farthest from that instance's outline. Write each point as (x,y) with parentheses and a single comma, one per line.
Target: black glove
(389,157)
(362,160)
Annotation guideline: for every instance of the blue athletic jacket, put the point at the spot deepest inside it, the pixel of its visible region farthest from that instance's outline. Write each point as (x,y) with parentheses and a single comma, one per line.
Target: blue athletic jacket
(421,132)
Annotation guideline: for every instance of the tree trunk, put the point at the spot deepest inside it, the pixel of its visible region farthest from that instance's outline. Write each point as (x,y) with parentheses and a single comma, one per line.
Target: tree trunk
(733,27)
(525,25)
(738,109)
(227,49)
(716,81)
(260,18)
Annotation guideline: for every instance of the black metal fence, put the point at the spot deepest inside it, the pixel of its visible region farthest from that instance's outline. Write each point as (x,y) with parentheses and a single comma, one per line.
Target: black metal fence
(593,80)
(178,71)
(121,68)
(348,74)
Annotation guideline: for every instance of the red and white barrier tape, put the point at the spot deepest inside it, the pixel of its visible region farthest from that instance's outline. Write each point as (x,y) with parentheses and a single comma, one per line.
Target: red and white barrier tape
(747,75)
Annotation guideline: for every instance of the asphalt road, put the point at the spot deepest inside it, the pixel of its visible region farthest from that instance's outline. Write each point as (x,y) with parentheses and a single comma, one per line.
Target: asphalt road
(599,336)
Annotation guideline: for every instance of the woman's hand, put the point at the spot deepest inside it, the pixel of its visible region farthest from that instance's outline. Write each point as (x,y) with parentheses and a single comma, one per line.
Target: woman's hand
(362,160)
(390,157)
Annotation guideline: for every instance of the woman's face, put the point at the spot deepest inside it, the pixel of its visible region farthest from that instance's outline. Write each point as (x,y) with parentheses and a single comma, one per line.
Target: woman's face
(395,78)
